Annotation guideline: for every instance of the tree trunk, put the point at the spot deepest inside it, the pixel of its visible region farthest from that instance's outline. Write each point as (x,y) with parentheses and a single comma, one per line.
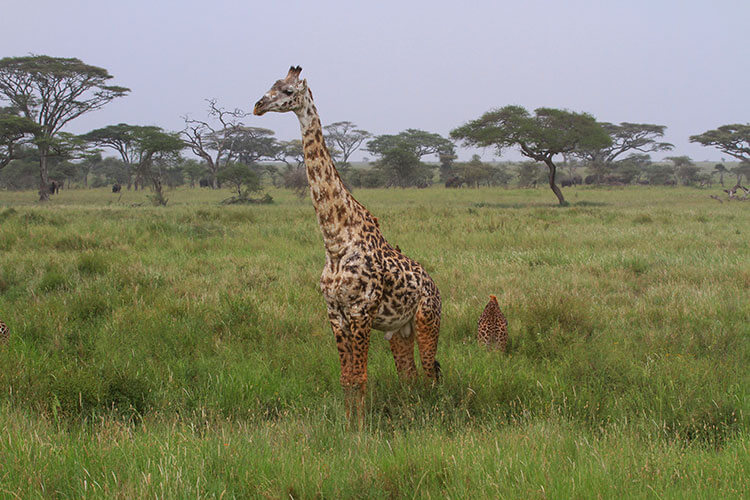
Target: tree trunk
(158,190)
(43,174)
(213,171)
(721,178)
(552,185)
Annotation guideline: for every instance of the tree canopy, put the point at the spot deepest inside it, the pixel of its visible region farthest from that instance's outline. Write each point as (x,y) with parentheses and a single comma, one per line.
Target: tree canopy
(400,167)
(421,143)
(14,131)
(625,137)
(345,138)
(733,140)
(252,144)
(52,91)
(137,146)
(540,137)
(684,168)
(244,180)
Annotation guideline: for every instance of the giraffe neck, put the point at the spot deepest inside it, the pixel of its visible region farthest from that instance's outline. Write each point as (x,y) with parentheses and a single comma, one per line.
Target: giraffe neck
(338,212)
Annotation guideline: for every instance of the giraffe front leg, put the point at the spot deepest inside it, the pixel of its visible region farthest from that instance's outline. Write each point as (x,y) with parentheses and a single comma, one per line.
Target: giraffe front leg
(344,346)
(357,386)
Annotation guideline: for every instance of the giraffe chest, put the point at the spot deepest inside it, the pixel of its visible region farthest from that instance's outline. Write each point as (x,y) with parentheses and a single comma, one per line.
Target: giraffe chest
(350,281)
(402,290)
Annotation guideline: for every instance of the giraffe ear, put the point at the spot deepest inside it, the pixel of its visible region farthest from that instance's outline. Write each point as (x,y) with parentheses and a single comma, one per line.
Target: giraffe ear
(302,85)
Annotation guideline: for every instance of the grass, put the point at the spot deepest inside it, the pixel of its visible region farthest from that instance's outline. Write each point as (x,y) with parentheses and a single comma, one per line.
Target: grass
(184,351)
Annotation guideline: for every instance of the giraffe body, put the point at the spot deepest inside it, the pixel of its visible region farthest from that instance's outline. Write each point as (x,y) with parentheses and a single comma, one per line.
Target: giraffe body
(366,282)
(492,329)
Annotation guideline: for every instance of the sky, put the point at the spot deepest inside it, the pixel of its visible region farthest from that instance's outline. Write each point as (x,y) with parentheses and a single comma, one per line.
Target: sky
(391,65)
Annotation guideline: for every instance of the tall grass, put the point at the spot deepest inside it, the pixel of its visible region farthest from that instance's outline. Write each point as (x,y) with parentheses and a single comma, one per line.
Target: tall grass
(184,350)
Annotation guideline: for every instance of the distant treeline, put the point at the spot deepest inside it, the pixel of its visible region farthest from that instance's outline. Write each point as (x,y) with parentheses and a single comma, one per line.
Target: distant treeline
(96,171)
(42,94)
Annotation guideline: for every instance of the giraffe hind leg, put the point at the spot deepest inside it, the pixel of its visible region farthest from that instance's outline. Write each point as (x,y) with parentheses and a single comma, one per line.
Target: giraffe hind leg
(402,347)
(427,322)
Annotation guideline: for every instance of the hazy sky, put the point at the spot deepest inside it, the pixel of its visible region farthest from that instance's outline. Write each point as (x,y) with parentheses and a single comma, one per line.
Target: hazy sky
(392,65)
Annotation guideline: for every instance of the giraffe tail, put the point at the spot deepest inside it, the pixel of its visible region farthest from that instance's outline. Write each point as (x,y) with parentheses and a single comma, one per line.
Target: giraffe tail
(437,371)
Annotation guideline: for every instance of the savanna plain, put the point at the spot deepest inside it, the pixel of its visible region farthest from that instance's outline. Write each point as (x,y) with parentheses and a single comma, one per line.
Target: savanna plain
(184,351)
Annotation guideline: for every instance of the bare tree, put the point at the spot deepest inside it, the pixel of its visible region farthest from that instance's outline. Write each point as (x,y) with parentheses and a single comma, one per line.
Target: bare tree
(212,140)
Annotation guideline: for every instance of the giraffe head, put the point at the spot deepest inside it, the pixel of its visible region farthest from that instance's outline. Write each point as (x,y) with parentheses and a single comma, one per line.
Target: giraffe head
(288,94)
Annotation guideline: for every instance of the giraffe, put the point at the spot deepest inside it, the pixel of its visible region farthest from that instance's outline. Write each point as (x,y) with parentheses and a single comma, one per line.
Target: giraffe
(492,328)
(4,332)
(366,283)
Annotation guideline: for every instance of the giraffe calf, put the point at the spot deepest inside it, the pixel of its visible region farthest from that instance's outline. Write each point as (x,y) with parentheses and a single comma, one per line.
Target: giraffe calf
(4,333)
(492,329)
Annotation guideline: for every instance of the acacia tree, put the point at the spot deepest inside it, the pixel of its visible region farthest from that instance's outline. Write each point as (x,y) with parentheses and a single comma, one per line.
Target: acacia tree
(52,91)
(684,169)
(292,149)
(244,180)
(137,146)
(540,137)
(421,143)
(400,156)
(641,137)
(90,161)
(632,167)
(126,140)
(212,140)
(14,132)
(250,145)
(733,140)
(401,167)
(346,138)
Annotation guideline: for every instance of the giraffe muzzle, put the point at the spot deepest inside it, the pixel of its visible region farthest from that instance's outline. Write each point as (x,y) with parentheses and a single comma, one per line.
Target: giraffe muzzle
(258,110)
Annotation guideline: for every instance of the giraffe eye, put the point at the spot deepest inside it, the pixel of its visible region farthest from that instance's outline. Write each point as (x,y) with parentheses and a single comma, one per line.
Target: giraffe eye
(288,91)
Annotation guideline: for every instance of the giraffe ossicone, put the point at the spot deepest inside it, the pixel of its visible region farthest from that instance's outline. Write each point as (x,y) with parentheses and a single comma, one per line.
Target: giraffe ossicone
(366,282)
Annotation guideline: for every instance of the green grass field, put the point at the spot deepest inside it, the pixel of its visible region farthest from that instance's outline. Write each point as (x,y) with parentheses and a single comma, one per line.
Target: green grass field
(184,351)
